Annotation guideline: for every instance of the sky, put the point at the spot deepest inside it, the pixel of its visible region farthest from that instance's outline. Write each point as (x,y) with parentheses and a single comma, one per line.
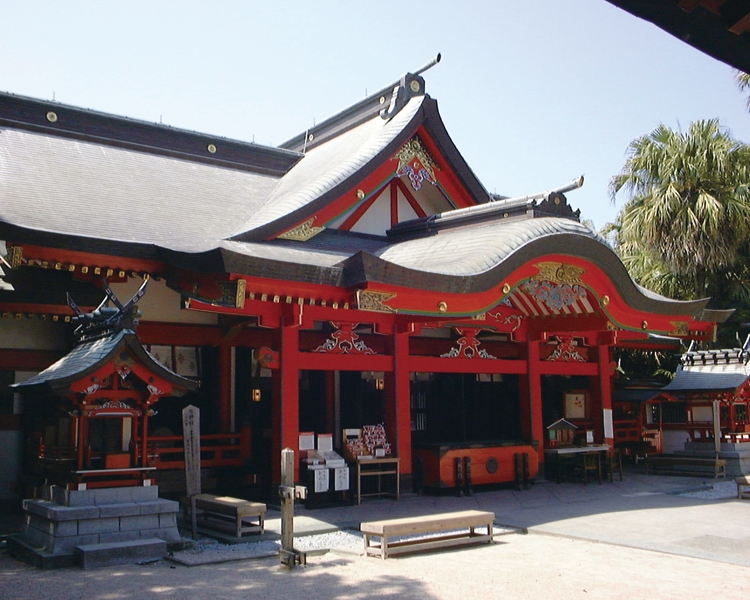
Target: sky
(534,93)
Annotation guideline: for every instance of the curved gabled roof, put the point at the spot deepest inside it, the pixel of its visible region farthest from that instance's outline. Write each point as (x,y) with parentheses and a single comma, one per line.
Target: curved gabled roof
(326,168)
(88,356)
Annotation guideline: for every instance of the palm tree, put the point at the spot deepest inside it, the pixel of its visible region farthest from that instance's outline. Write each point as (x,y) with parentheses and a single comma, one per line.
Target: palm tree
(685,229)
(743,83)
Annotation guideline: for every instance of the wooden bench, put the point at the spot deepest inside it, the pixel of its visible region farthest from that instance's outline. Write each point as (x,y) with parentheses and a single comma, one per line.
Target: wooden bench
(412,526)
(225,513)
(743,487)
(686,465)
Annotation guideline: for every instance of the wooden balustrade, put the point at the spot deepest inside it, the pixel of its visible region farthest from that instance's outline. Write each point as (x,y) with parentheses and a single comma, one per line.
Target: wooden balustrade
(217,450)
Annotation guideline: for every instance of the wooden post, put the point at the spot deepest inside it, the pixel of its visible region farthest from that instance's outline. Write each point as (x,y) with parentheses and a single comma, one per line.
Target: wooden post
(402,402)
(290,385)
(535,398)
(717,427)
(287,493)
(287,503)
(225,388)
(191,433)
(605,390)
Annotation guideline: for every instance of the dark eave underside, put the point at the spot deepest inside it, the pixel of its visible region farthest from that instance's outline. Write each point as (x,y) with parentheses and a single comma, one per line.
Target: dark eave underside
(722,34)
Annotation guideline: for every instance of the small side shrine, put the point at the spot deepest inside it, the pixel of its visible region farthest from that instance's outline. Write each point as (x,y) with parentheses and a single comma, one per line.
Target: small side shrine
(561,433)
(107,385)
(703,411)
(99,506)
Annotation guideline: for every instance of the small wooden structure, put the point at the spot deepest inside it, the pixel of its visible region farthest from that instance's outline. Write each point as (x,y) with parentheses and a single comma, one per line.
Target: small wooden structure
(230,514)
(561,433)
(107,386)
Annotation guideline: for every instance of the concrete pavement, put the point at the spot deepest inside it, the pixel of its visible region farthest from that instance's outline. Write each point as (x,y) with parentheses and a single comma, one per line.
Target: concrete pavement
(633,539)
(643,511)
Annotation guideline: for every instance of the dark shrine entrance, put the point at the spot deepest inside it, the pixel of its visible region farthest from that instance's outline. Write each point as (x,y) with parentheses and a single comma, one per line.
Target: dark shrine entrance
(465,407)
(335,400)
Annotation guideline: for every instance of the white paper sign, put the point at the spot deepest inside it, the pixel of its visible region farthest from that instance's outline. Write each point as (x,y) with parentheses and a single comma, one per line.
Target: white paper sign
(321,480)
(341,479)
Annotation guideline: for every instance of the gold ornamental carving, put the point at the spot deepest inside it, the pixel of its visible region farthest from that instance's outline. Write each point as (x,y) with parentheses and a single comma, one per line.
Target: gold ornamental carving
(374,301)
(558,273)
(302,233)
(414,149)
(679,328)
(15,256)
(239,299)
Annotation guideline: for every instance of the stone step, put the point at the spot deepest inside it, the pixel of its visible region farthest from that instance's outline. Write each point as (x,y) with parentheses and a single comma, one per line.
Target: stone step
(92,556)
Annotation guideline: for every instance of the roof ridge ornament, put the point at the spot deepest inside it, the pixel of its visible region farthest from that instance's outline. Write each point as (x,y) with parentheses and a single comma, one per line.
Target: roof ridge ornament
(104,319)
(410,85)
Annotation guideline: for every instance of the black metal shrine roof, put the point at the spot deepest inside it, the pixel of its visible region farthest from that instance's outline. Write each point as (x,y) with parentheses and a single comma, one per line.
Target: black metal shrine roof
(711,370)
(90,355)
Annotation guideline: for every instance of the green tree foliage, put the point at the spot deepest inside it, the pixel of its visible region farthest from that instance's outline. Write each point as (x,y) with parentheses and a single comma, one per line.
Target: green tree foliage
(743,83)
(685,230)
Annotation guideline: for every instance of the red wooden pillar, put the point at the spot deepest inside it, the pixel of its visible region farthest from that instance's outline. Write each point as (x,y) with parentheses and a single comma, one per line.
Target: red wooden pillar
(605,391)
(398,403)
(225,388)
(289,407)
(535,398)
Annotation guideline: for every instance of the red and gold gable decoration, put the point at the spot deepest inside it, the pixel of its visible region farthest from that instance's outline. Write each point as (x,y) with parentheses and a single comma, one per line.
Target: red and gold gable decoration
(415,163)
(557,289)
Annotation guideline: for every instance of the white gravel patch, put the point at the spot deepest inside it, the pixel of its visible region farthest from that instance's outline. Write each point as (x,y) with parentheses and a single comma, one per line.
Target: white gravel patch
(718,491)
(210,551)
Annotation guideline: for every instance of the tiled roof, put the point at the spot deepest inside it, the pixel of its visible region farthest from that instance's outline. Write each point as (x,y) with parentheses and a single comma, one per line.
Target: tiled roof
(716,377)
(88,356)
(479,248)
(71,187)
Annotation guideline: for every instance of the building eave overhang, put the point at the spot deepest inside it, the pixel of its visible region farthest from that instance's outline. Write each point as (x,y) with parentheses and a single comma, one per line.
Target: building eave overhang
(720,32)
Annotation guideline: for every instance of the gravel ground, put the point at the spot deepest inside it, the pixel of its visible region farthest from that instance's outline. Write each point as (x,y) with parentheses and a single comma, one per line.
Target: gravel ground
(522,567)
(210,552)
(717,491)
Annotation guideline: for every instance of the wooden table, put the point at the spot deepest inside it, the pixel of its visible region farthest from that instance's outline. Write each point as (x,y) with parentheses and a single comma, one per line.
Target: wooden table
(377,467)
(555,453)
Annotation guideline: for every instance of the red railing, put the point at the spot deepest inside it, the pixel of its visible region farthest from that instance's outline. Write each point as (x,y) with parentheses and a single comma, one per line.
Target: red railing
(217,450)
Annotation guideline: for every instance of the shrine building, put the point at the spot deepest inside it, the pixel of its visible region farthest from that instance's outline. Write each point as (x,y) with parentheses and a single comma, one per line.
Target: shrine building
(357,276)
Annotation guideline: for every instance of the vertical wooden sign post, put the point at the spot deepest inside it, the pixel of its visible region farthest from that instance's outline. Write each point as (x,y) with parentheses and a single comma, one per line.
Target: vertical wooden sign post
(287,494)
(191,433)
(287,501)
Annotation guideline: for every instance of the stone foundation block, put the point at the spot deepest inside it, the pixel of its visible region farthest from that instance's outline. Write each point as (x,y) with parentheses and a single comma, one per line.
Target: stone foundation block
(120,553)
(139,522)
(98,526)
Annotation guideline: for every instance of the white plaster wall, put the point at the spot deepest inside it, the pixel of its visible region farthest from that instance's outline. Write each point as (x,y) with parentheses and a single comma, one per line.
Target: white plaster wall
(674,440)
(161,303)
(32,334)
(377,219)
